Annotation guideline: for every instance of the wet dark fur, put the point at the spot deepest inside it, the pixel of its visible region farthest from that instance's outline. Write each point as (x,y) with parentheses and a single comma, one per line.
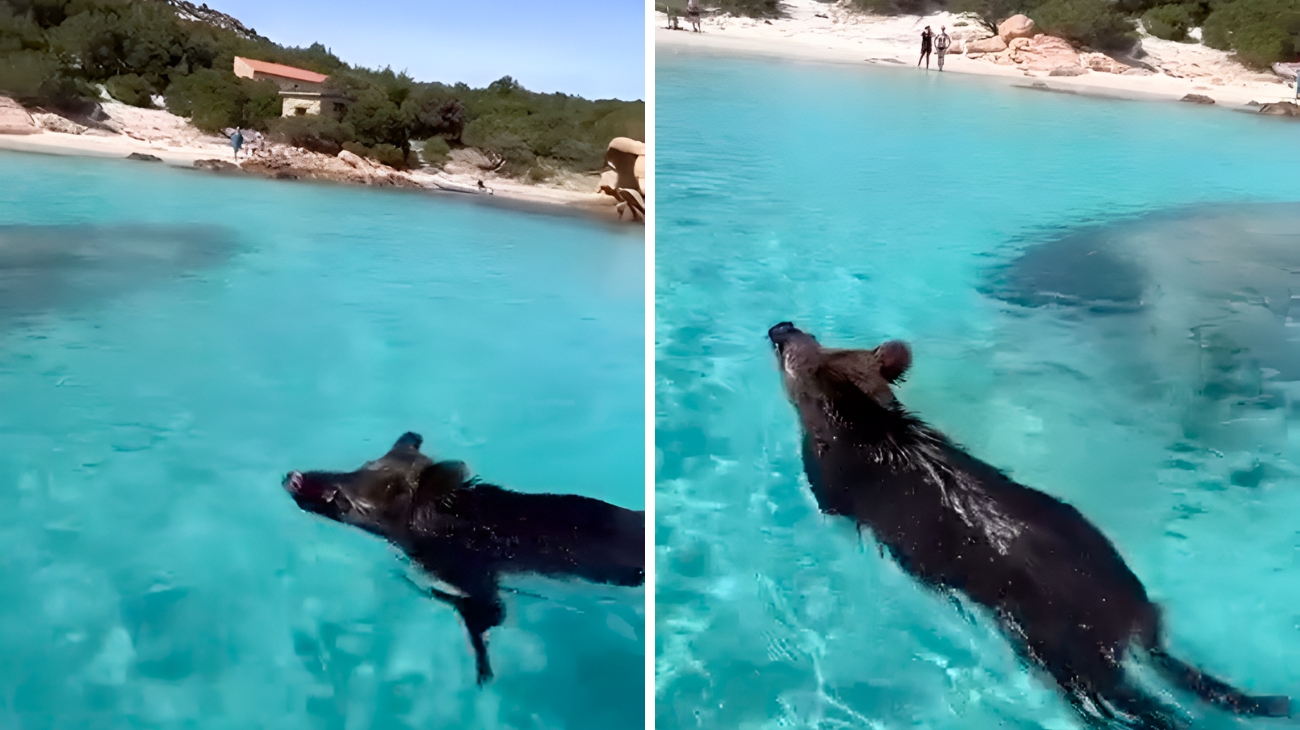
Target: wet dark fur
(469,535)
(1058,587)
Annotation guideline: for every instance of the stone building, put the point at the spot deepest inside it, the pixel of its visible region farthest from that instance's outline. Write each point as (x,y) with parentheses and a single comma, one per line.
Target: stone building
(302,91)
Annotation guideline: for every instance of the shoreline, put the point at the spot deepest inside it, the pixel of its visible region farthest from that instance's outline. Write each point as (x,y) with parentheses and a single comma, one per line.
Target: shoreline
(821,32)
(507,193)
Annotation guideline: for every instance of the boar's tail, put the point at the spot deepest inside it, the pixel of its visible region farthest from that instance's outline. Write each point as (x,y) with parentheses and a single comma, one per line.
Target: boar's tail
(1217,692)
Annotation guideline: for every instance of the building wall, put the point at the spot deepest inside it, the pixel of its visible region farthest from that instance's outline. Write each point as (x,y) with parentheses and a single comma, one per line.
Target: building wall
(305,87)
(294,107)
(330,107)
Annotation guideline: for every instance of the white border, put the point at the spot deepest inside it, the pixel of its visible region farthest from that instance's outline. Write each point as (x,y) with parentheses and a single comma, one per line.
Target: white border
(651,197)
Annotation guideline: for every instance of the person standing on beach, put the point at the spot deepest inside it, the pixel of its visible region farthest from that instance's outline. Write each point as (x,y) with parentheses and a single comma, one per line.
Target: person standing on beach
(693,14)
(941,43)
(926,35)
(237,141)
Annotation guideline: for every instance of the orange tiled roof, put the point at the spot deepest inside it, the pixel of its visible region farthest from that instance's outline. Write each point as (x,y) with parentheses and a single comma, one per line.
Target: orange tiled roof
(278,69)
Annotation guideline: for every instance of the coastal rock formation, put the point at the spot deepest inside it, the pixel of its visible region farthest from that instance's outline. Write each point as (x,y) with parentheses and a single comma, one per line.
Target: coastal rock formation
(1068,71)
(282,162)
(1017,26)
(154,125)
(14,119)
(56,123)
(1103,63)
(352,159)
(624,177)
(1197,99)
(470,161)
(1043,53)
(1287,70)
(142,157)
(1281,109)
(988,45)
(186,10)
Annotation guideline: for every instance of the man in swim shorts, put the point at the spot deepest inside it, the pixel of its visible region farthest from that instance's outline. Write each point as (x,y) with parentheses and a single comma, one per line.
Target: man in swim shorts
(925,48)
(941,44)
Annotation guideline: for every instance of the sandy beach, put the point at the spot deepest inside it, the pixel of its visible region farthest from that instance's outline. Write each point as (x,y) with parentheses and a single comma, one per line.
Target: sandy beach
(175,142)
(836,33)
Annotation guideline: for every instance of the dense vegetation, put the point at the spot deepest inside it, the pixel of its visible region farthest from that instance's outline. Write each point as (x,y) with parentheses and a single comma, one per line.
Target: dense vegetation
(746,8)
(60,53)
(1260,32)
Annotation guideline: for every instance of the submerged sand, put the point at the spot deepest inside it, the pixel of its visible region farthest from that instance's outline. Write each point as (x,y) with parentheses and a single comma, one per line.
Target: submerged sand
(838,33)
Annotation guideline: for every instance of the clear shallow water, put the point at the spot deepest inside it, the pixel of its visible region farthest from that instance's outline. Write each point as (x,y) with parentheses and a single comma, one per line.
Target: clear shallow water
(175,342)
(868,203)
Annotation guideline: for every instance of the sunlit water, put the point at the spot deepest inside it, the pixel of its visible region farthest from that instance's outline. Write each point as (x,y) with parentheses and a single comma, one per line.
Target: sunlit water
(1157,393)
(172,343)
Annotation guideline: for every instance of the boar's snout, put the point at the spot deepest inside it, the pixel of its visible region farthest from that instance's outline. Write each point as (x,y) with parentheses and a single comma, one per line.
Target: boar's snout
(785,336)
(781,332)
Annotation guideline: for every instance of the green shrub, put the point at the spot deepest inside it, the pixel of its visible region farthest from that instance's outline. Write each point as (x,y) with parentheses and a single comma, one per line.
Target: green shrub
(1261,32)
(539,173)
(23,74)
(989,12)
(130,89)
(435,151)
(617,119)
(385,154)
(1170,22)
(1094,23)
(434,113)
(374,119)
(18,32)
(582,155)
(214,100)
(311,132)
(494,136)
(898,7)
(388,154)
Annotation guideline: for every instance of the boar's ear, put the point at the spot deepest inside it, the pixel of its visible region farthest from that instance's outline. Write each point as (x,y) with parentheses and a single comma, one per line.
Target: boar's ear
(894,358)
(409,440)
(442,478)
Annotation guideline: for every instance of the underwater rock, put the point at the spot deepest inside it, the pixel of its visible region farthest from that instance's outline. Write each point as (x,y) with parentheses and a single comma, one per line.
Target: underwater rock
(1204,301)
(218,166)
(1281,109)
(46,268)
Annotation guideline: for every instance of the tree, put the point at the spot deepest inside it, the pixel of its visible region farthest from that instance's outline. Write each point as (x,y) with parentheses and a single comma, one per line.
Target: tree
(374,120)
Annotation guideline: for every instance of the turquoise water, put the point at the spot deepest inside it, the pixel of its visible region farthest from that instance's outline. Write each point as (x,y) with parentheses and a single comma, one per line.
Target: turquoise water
(871,203)
(172,343)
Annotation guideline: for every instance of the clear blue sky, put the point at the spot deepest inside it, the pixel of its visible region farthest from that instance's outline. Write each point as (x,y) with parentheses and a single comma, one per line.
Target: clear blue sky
(591,48)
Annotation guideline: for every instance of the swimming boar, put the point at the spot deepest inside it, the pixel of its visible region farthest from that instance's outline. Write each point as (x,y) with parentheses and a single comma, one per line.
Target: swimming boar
(469,535)
(1059,589)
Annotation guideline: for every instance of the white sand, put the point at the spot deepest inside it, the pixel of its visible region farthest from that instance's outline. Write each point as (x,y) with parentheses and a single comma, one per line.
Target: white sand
(847,36)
